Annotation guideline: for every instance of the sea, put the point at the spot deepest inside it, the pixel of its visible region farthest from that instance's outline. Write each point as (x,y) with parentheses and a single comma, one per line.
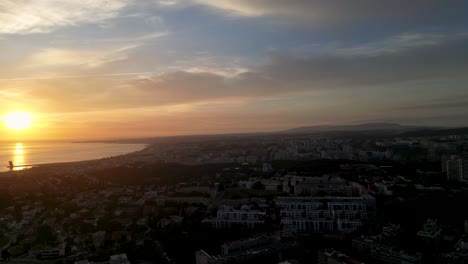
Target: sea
(34,153)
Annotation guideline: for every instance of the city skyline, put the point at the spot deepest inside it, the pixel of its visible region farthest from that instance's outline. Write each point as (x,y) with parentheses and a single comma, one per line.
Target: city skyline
(127,68)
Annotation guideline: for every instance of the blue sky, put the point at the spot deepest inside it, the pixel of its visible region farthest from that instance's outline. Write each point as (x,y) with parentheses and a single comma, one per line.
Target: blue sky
(93,69)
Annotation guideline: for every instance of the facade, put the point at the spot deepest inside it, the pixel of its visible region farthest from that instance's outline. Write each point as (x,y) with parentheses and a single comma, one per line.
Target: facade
(228,217)
(456,167)
(271,185)
(261,249)
(119,259)
(370,249)
(324,214)
(430,230)
(49,252)
(330,256)
(328,185)
(114,259)
(463,168)
(459,255)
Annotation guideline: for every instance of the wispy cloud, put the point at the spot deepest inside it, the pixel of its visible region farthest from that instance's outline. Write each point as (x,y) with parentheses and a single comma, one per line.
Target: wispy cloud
(138,38)
(170,3)
(398,43)
(76,76)
(84,58)
(40,16)
(460,102)
(327,11)
(282,75)
(219,61)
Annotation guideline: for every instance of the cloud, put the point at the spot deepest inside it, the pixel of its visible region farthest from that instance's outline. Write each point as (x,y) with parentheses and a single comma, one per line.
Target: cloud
(451,103)
(84,58)
(41,16)
(138,38)
(320,13)
(168,3)
(399,43)
(38,78)
(283,75)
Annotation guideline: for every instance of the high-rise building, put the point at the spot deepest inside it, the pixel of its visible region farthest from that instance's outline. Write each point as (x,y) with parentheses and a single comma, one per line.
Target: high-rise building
(228,217)
(455,166)
(463,167)
(324,214)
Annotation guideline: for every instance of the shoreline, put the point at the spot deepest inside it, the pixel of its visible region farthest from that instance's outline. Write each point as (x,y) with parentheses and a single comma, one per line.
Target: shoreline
(77,162)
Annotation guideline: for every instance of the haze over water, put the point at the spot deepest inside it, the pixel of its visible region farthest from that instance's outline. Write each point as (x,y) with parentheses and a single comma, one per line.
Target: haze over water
(30,153)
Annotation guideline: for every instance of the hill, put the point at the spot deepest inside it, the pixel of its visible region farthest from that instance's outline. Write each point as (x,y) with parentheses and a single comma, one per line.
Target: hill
(436,132)
(359,127)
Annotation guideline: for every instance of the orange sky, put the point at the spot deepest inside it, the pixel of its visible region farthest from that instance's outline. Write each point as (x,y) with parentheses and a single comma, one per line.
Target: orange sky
(137,68)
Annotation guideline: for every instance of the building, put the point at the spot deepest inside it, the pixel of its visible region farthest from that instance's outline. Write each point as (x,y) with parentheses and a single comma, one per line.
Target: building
(456,167)
(370,249)
(266,167)
(82,262)
(430,230)
(98,238)
(324,214)
(114,259)
(119,259)
(463,168)
(271,184)
(48,252)
(331,256)
(228,217)
(430,236)
(325,185)
(261,249)
(459,255)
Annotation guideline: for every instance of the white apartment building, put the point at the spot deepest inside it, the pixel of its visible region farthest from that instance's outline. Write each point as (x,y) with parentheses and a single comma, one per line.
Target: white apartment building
(324,214)
(228,217)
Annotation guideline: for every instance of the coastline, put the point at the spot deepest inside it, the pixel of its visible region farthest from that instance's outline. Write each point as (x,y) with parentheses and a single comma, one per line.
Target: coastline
(76,163)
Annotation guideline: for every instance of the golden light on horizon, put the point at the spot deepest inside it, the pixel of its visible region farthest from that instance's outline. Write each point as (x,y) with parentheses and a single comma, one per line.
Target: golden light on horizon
(18,120)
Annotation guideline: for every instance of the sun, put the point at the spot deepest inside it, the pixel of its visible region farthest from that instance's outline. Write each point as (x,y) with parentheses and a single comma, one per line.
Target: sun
(18,120)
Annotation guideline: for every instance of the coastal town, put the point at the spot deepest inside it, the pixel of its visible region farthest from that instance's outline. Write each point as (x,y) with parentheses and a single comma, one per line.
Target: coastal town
(240,199)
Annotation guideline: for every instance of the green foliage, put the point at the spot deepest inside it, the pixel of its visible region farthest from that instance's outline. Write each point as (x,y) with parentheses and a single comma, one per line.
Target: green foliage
(258,186)
(410,153)
(5,200)
(86,228)
(6,255)
(315,167)
(245,193)
(164,173)
(3,240)
(45,235)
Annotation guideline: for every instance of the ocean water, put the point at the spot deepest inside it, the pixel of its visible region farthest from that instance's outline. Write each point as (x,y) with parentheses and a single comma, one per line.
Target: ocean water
(32,153)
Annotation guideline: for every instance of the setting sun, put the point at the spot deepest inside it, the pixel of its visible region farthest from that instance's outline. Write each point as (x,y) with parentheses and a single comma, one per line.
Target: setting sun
(18,120)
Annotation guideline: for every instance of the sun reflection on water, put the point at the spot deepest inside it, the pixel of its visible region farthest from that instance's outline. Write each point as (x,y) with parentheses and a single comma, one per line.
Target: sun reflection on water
(18,157)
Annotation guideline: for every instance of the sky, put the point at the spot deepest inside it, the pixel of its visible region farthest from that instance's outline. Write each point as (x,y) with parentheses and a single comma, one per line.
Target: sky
(92,69)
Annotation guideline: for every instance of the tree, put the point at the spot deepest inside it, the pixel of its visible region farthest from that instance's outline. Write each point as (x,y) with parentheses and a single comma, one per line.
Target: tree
(258,185)
(6,255)
(5,200)
(45,234)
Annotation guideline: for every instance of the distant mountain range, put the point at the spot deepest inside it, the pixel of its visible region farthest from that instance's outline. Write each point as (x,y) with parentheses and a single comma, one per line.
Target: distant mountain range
(360,127)
(436,132)
(367,129)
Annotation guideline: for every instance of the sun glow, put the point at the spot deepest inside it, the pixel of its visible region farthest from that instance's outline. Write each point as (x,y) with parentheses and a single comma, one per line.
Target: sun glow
(18,120)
